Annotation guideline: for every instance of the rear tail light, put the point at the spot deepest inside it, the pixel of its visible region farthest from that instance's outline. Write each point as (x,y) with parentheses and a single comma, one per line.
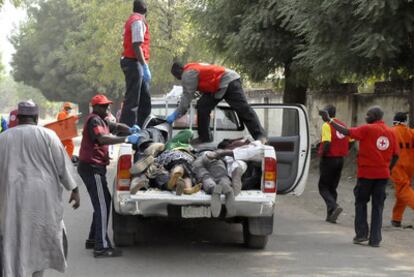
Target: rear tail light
(270,175)
(123,175)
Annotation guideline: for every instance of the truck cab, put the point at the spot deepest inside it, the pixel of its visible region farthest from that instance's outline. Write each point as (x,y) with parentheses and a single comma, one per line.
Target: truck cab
(283,170)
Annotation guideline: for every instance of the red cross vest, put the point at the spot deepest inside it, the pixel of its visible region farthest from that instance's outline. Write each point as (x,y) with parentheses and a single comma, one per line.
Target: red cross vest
(339,143)
(209,76)
(145,46)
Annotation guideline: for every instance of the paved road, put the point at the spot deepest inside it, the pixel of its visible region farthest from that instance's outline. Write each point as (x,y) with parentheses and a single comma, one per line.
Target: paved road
(302,244)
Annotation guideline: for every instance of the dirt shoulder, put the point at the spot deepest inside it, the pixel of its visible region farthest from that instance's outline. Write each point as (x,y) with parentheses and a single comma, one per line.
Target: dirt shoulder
(313,202)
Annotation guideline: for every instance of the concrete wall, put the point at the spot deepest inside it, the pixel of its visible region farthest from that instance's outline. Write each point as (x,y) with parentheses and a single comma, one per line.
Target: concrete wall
(351,107)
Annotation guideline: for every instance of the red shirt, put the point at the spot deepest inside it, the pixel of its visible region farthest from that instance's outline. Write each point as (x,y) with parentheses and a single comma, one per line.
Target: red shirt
(377,146)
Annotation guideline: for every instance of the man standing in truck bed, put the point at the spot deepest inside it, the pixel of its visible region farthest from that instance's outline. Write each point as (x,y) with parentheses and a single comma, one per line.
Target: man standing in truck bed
(214,83)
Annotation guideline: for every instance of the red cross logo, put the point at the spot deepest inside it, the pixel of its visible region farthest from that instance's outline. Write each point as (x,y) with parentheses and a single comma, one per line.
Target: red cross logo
(383,143)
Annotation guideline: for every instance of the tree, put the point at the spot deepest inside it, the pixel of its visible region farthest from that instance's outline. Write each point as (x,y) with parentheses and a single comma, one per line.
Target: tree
(251,36)
(41,54)
(354,39)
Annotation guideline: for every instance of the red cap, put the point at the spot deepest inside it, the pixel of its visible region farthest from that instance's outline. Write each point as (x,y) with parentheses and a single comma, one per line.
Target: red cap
(100,99)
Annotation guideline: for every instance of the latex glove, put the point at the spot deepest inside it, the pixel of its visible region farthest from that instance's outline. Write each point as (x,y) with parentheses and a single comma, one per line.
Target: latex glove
(172,117)
(147,73)
(325,116)
(133,139)
(134,129)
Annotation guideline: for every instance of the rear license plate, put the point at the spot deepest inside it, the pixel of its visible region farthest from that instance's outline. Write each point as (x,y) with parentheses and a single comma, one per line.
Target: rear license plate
(195,211)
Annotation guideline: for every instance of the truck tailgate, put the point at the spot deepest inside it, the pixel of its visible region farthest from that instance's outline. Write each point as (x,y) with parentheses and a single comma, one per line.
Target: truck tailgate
(153,202)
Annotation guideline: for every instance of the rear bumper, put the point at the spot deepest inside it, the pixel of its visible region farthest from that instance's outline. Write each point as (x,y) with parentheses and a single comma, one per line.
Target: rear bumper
(155,203)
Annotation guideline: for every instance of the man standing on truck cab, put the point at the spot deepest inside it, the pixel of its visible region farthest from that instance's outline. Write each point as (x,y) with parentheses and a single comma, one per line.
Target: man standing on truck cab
(93,159)
(67,143)
(332,150)
(35,170)
(214,83)
(378,153)
(134,64)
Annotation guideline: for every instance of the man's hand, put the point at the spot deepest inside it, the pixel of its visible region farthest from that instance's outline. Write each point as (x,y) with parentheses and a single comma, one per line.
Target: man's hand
(75,197)
(325,116)
(134,129)
(147,73)
(172,117)
(133,139)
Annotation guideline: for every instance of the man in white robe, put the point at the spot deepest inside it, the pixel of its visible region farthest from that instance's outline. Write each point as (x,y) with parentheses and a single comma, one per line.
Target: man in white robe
(34,170)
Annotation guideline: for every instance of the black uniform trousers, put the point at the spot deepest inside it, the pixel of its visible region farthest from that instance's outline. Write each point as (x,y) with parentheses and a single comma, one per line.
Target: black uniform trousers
(236,98)
(365,190)
(330,169)
(94,177)
(137,101)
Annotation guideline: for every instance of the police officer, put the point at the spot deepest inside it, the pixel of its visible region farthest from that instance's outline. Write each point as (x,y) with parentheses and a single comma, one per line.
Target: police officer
(94,158)
(378,153)
(334,146)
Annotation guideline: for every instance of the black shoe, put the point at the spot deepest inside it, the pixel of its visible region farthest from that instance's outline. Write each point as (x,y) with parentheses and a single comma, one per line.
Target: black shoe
(373,244)
(90,244)
(359,240)
(107,253)
(334,215)
(396,224)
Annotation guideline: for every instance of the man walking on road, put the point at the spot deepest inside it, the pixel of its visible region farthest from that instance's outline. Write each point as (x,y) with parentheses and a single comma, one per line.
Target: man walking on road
(34,171)
(67,143)
(134,64)
(332,150)
(214,83)
(403,172)
(93,159)
(378,153)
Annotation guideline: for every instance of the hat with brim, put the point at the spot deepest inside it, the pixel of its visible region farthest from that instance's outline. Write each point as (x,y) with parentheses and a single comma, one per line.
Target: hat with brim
(27,108)
(100,99)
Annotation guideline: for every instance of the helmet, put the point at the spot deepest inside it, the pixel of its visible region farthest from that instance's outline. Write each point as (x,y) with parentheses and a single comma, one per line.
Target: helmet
(67,105)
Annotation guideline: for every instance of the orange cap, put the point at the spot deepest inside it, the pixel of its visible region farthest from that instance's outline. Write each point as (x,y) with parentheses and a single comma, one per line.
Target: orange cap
(67,105)
(100,99)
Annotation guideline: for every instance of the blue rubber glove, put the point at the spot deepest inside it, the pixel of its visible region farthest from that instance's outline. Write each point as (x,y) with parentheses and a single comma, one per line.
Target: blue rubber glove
(134,129)
(134,138)
(147,73)
(172,117)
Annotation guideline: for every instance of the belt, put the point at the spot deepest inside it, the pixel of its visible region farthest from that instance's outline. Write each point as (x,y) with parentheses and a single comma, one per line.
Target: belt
(127,58)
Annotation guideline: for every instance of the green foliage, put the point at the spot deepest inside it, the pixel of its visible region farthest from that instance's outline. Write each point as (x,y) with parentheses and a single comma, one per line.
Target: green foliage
(356,39)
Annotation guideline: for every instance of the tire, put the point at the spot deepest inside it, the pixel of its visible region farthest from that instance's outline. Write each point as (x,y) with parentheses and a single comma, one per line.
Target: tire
(123,228)
(124,239)
(253,241)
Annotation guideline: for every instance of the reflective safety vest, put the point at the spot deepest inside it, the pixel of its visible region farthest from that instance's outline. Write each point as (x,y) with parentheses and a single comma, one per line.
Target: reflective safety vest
(209,76)
(145,46)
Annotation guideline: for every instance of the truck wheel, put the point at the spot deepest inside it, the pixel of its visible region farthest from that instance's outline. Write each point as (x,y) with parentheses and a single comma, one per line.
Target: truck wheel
(123,227)
(124,239)
(253,241)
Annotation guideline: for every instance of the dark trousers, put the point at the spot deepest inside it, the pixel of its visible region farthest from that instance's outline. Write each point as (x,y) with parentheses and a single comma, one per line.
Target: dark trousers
(94,178)
(330,169)
(236,98)
(137,101)
(364,190)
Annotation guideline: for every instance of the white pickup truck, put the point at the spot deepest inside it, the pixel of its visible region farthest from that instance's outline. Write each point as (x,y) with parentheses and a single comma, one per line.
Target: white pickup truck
(283,170)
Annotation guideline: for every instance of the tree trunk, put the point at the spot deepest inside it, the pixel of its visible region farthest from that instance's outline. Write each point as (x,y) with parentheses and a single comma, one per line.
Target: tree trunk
(411,104)
(295,92)
(84,110)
